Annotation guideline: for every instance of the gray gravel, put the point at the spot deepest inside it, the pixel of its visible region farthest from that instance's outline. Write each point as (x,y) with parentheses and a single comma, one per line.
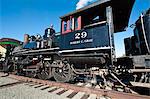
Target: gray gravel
(23,91)
(6,80)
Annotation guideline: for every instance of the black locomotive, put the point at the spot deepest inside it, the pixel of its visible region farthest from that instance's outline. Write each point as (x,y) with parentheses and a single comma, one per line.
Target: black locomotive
(85,46)
(135,66)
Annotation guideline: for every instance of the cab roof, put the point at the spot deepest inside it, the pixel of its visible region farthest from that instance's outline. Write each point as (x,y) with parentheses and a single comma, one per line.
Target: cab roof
(121,11)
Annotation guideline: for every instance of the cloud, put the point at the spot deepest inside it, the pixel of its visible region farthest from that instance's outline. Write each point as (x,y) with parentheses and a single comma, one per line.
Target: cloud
(83,3)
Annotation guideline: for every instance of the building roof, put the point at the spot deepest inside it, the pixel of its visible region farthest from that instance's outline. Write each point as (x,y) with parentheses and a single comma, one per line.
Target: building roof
(9,41)
(121,11)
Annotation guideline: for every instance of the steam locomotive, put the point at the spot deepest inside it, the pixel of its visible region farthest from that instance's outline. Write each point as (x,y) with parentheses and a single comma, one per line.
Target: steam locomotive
(85,46)
(137,50)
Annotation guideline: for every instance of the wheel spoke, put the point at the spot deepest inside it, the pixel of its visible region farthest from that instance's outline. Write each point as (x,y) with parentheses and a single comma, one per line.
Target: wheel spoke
(45,74)
(65,72)
(62,74)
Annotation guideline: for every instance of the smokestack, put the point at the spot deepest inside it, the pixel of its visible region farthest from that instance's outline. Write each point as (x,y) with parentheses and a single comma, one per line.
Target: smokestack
(83,3)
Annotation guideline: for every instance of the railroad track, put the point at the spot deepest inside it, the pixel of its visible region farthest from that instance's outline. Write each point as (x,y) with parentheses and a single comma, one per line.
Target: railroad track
(73,91)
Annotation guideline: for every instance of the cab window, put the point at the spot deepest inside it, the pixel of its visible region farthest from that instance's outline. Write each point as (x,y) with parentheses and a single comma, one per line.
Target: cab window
(76,22)
(70,24)
(65,25)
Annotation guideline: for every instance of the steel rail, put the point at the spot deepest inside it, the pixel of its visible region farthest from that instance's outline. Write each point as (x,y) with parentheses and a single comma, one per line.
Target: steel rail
(66,86)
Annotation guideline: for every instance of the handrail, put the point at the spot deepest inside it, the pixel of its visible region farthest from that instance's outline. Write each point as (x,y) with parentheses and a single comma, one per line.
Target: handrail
(94,24)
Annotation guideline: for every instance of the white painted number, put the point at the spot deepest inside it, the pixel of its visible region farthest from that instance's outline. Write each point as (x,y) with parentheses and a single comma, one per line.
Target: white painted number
(81,35)
(77,36)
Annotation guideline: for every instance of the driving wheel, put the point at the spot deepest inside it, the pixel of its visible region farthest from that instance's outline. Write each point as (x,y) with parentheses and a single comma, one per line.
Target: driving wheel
(62,73)
(45,72)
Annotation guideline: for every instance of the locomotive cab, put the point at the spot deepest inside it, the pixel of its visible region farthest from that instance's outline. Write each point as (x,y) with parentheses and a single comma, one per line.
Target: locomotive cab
(88,32)
(85,29)
(85,33)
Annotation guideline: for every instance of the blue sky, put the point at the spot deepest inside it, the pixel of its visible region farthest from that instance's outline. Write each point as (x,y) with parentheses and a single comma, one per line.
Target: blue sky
(18,17)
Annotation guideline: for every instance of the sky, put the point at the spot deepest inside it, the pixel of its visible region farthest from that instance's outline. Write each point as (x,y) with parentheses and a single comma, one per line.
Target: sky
(18,17)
